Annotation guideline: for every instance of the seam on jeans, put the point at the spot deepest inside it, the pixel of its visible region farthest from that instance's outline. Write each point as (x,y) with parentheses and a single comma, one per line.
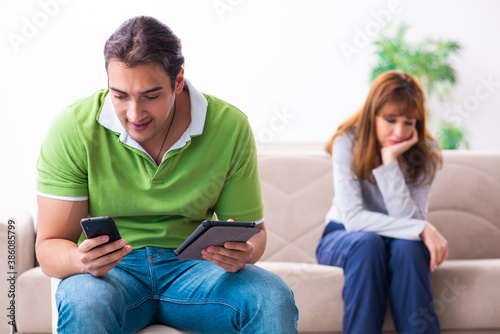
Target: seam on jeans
(151,273)
(153,258)
(204,301)
(157,256)
(152,277)
(139,303)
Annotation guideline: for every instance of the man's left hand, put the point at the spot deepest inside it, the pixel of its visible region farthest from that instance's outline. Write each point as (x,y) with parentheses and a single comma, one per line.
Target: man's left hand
(232,257)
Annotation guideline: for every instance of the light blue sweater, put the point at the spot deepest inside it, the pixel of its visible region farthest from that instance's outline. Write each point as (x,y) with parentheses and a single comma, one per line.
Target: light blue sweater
(390,208)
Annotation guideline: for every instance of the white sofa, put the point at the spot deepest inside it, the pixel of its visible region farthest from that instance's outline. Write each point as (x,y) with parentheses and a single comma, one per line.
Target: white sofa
(297,188)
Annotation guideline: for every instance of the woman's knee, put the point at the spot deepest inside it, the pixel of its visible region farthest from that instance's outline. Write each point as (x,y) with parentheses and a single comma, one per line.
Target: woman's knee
(367,244)
(366,255)
(408,251)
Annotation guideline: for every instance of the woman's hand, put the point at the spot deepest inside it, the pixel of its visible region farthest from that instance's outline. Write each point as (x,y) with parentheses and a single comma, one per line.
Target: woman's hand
(392,152)
(436,244)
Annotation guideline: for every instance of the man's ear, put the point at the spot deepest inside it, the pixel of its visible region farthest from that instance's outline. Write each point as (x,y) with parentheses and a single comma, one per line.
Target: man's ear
(179,82)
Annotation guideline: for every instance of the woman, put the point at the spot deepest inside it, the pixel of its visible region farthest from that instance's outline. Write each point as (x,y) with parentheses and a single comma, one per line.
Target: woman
(384,162)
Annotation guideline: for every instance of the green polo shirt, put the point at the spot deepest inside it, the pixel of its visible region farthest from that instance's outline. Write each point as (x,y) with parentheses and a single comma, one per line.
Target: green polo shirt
(211,171)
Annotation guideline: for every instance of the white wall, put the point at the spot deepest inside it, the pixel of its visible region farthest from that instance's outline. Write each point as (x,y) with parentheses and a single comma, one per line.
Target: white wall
(278,61)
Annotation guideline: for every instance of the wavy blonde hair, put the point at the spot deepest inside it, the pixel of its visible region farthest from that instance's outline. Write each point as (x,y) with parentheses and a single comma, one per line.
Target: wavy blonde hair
(402,90)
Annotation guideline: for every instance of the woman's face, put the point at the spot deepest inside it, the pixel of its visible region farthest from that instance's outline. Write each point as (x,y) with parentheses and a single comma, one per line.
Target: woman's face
(391,127)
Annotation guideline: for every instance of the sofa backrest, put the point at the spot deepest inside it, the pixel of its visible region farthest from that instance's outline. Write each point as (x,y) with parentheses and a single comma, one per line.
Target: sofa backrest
(298,191)
(465,204)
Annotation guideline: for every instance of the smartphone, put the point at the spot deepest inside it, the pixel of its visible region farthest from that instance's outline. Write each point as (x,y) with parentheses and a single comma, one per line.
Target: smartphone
(97,226)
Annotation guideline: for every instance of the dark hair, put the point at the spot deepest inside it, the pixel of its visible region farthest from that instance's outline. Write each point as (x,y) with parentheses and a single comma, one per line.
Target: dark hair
(143,40)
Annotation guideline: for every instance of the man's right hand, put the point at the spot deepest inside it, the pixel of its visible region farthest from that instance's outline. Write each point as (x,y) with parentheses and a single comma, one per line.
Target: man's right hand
(57,247)
(99,257)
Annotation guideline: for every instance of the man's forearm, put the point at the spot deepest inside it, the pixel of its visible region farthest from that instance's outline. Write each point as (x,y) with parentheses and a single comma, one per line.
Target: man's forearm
(259,245)
(59,258)
(58,231)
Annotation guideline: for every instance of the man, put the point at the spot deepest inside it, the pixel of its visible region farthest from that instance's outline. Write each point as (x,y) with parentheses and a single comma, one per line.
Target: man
(159,157)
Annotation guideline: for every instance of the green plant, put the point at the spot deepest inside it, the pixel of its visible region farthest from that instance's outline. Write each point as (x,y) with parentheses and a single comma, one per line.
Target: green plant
(429,62)
(451,137)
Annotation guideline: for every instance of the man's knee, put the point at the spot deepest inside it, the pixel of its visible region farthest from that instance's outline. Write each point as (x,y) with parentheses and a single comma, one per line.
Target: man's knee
(85,292)
(83,297)
(273,304)
(270,292)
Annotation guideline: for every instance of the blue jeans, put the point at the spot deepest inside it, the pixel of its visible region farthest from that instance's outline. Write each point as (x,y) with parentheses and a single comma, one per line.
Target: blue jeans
(151,286)
(374,267)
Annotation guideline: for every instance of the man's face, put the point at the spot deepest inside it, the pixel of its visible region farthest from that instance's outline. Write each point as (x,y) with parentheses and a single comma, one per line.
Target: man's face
(143,99)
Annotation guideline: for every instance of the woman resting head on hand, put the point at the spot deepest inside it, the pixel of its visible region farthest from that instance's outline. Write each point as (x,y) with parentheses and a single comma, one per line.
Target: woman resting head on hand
(391,125)
(384,163)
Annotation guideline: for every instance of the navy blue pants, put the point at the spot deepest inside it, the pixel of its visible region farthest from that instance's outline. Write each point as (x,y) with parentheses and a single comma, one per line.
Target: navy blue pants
(377,268)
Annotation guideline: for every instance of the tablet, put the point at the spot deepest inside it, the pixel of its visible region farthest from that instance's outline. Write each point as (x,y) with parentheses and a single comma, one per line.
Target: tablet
(214,233)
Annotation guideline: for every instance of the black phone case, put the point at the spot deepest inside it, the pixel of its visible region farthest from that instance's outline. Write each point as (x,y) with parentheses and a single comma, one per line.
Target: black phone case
(96,226)
(214,233)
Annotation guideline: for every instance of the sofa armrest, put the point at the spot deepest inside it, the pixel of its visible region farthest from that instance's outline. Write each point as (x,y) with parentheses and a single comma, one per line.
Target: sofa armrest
(33,302)
(17,254)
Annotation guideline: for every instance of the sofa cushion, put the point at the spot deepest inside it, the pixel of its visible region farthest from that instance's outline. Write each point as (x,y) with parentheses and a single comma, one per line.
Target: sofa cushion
(466,294)
(464,204)
(318,293)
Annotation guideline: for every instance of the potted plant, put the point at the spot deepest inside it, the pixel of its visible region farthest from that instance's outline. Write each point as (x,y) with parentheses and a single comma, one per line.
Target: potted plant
(429,62)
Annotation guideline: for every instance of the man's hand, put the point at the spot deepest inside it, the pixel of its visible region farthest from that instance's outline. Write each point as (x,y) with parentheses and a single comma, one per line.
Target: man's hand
(99,258)
(391,153)
(436,244)
(235,255)
(232,257)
